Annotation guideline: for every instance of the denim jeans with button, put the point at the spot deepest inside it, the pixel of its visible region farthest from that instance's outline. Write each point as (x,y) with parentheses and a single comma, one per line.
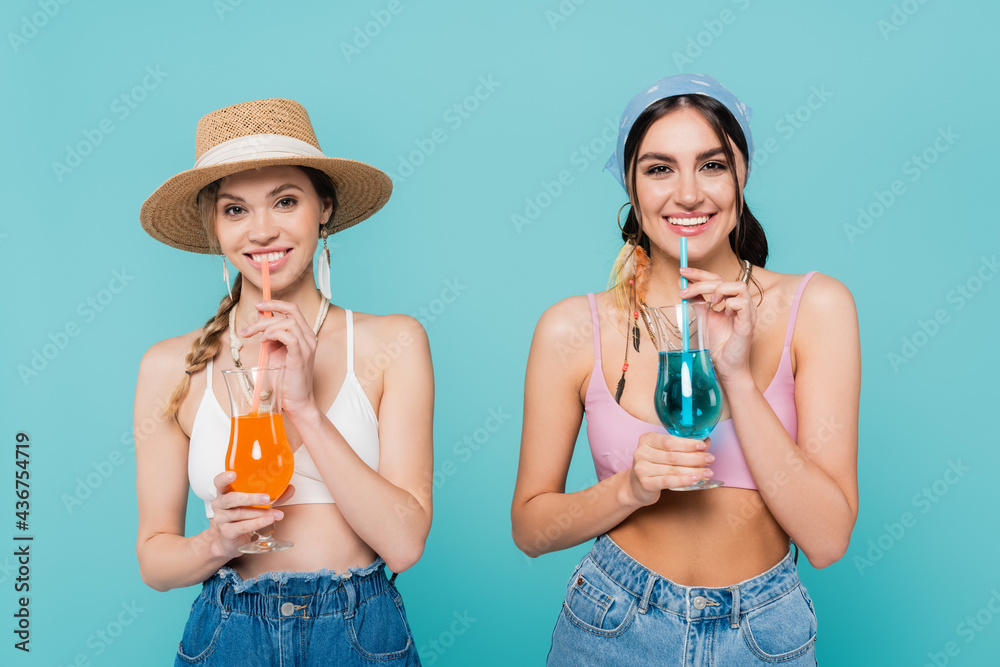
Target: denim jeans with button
(299,618)
(617,612)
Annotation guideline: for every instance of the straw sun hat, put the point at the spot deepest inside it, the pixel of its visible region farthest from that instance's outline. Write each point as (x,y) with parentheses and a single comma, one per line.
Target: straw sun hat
(262,133)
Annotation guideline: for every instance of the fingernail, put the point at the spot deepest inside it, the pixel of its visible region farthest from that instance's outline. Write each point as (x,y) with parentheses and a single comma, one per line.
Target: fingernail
(709,458)
(278,515)
(243,332)
(702,445)
(695,478)
(708,472)
(263,499)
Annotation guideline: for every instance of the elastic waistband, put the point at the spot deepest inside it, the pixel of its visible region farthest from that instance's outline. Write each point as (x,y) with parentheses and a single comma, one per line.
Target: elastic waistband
(693,601)
(296,594)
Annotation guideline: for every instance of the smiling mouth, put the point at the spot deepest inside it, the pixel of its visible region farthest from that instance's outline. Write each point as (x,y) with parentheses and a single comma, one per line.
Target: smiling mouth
(689,222)
(268,257)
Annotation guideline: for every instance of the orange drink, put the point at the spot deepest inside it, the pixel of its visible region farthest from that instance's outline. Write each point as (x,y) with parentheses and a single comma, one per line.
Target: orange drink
(259,454)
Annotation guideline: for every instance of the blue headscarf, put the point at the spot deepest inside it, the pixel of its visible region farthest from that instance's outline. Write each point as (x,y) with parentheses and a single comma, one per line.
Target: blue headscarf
(681,84)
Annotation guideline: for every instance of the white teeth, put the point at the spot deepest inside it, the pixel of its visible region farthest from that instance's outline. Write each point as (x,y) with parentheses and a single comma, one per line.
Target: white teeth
(689,222)
(269,257)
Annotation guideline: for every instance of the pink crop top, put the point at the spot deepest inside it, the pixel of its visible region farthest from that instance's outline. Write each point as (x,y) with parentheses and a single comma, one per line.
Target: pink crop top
(352,413)
(614,433)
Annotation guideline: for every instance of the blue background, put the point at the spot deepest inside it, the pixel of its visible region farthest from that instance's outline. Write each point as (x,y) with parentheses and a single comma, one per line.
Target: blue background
(885,80)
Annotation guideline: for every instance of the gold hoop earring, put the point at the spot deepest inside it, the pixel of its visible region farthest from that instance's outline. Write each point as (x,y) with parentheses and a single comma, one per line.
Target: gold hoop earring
(622,228)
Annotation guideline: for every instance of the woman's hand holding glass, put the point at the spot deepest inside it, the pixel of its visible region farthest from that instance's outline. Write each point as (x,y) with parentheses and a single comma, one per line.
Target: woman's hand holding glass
(237,515)
(663,461)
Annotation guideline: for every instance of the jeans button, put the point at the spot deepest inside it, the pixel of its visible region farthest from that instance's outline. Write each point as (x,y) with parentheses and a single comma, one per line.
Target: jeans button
(287,609)
(699,603)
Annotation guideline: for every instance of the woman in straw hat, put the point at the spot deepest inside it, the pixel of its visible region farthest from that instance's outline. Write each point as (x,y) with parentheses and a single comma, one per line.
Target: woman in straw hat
(706,577)
(358,420)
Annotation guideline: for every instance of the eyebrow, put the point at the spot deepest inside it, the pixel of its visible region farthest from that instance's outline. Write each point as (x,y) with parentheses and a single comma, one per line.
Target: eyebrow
(663,157)
(276,191)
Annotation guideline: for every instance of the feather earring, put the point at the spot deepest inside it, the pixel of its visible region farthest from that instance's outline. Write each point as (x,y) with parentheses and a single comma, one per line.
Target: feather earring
(635,341)
(323,274)
(225,277)
(636,291)
(639,289)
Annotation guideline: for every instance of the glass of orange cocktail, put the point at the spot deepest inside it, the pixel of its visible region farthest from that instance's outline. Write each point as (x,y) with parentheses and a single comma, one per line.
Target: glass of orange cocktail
(258,452)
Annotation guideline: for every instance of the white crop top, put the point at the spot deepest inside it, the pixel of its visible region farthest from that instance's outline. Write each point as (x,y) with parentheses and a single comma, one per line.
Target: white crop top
(352,413)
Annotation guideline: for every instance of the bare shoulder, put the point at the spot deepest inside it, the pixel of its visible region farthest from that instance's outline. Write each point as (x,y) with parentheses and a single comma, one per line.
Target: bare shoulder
(821,292)
(165,361)
(161,369)
(562,348)
(825,298)
(827,316)
(391,334)
(566,327)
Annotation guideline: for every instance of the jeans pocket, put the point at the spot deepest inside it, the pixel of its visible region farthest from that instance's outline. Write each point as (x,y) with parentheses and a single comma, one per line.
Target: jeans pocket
(782,629)
(597,603)
(202,631)
(378,630)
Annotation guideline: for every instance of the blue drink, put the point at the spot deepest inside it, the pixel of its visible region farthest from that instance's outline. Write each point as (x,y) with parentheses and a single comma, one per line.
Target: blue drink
(688,399)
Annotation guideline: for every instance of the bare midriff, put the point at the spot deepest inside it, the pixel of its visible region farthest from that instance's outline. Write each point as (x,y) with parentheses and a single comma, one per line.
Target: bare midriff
(322,538)
(712,538)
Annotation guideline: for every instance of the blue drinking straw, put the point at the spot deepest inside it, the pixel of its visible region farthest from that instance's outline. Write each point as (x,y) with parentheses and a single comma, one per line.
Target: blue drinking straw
(687,417)
(685,345)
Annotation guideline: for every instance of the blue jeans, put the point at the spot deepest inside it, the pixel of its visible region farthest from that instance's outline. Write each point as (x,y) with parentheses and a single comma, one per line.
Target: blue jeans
(298,618)
(617,612)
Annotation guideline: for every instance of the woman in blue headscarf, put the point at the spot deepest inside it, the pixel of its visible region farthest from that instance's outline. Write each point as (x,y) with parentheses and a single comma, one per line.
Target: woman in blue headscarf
(706,577)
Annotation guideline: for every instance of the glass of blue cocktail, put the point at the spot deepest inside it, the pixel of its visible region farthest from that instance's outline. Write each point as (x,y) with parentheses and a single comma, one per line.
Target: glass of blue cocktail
(688,397)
